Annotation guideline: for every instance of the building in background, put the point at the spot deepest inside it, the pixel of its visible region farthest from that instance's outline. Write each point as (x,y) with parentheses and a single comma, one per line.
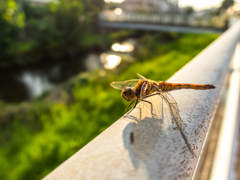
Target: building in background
(161,6)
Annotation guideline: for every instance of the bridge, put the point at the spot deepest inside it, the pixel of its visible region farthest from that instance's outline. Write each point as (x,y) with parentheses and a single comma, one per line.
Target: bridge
(169,21)
(156,27)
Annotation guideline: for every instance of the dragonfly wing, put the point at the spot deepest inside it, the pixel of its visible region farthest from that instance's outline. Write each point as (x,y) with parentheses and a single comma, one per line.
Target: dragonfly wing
(123,84)
(168,98)
(141,77)
(176,116)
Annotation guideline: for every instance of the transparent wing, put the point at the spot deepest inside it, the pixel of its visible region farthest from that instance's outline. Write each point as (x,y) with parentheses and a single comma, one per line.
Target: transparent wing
(141,77)
(176,116)
(173,109)
(172,104)
(123,84)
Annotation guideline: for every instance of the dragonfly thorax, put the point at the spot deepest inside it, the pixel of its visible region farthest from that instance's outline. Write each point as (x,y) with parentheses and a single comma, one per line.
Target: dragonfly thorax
(128,94)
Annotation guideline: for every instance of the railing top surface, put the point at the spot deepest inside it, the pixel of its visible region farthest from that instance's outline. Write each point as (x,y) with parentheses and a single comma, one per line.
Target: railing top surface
(158,151)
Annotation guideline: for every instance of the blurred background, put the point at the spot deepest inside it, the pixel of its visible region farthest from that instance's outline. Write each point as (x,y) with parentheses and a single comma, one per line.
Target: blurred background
(58,57)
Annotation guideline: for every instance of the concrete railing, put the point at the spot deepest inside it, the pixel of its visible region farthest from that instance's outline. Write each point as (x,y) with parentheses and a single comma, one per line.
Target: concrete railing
(158,150)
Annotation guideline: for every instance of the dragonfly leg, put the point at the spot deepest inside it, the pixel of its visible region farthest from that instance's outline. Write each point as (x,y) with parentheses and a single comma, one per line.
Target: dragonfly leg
(151,106)
(152,95)
(129,106)
(161,96)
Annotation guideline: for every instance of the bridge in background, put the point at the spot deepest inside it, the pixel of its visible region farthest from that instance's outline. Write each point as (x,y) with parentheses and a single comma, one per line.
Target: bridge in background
(156,27)
(175,22)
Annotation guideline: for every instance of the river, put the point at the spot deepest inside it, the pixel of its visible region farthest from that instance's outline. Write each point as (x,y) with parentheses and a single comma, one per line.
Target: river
(25,84)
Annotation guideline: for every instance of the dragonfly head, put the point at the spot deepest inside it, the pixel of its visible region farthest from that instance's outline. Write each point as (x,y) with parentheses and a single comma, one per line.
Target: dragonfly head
(128,94)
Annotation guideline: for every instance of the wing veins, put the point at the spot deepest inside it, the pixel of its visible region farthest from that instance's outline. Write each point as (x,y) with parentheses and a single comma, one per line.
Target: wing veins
(123,84)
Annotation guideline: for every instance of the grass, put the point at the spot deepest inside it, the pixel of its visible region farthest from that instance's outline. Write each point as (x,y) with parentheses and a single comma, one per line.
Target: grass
(37,140)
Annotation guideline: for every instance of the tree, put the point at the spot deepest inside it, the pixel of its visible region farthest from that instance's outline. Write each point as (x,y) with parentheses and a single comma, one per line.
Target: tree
(11,22)
(189,10)
(226,4)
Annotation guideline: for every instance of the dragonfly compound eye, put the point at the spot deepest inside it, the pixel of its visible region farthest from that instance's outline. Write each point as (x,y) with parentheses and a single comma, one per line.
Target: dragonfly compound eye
(128,94)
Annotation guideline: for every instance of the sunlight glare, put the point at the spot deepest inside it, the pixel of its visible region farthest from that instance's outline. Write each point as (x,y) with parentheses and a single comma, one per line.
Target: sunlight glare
(200,5)
(236,7)
(124,47)
(114,1)
(118,11)
(110,61)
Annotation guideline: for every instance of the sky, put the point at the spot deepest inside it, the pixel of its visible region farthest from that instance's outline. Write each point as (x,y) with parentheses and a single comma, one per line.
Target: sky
(201,4)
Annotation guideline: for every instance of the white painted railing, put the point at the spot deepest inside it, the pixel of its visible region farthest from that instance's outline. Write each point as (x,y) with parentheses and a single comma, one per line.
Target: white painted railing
(158,151)
(223,164)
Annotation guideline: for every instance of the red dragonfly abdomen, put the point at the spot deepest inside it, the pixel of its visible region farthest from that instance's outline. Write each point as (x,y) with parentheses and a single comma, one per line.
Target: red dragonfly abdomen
(174,86)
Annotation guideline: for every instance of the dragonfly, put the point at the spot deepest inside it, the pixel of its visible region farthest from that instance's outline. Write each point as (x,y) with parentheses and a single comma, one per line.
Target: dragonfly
(136,90)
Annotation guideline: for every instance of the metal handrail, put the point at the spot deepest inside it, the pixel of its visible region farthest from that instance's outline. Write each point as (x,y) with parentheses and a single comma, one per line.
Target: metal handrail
(222,167)
(158,150)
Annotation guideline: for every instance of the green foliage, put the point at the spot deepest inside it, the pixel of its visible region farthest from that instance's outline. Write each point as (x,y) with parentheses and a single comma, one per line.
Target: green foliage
(57,34)
(53,32)
(11,22)
(12,13)
(122,33)
(40,138)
